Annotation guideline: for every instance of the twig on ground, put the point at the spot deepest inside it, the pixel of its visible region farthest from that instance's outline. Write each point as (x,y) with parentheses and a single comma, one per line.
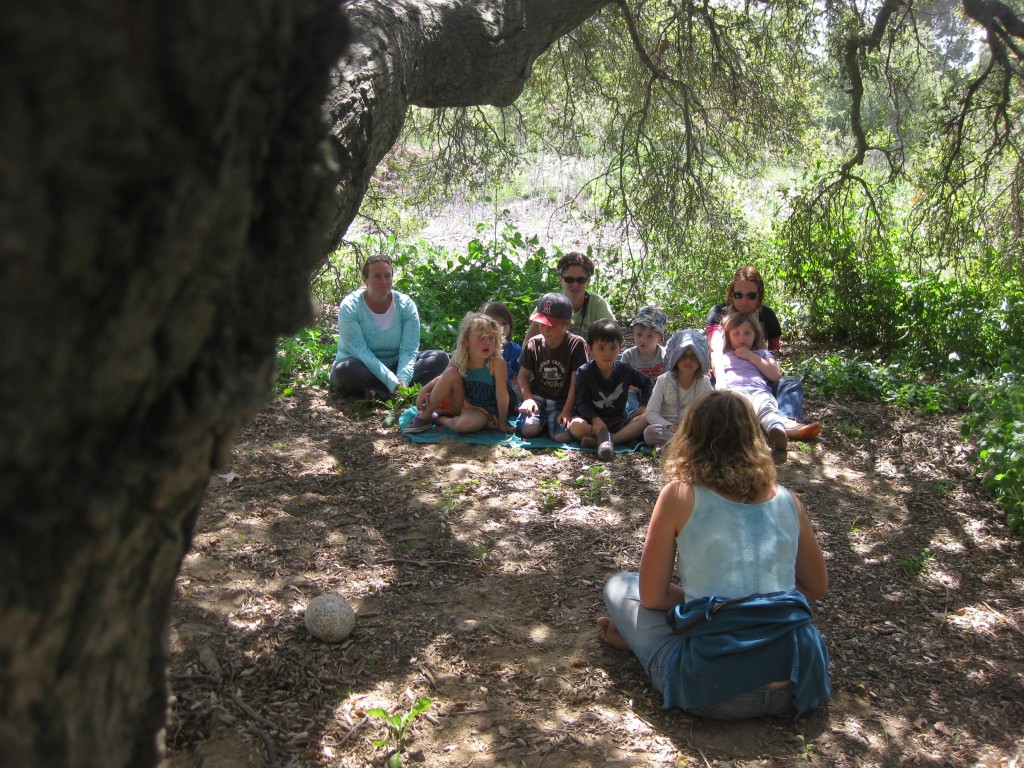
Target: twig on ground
(427,562)
(256,715)
(353,729)
(268,743)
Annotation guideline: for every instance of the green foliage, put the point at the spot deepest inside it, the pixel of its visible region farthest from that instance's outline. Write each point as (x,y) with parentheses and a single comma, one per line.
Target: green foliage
(304,360)
(915,564)
(897,380)
(594,484)
(452,494)
(996,424)
(550,493)
(513,269)
(843,268)
(399,402)
(398,725)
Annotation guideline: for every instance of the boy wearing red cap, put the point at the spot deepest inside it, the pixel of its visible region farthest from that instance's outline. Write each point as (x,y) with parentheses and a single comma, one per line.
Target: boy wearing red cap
(547,370)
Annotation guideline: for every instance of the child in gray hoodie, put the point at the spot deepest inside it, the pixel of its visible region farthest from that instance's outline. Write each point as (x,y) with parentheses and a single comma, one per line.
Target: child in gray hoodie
(687,361)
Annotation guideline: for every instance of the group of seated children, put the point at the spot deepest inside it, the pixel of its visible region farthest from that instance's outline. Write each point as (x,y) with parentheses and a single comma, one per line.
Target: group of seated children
(590,389)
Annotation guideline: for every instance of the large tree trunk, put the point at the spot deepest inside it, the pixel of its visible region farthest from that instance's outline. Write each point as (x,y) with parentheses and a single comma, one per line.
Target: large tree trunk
(164,191)
(166,188)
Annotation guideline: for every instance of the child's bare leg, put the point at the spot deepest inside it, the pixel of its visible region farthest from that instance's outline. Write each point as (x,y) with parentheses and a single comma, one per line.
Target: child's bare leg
(632,431)
(423,396)
(610,634)
(449,385)
(470,420)
(580,428)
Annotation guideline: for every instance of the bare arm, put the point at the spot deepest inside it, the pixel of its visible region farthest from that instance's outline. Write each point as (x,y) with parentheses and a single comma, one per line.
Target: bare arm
(811,576)
(499,370)
(657,564)
(523,379)
(766,365)
(570,403)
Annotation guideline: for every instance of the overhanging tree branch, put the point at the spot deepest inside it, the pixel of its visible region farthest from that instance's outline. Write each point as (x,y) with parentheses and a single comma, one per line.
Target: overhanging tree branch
(403,54)
(855,46)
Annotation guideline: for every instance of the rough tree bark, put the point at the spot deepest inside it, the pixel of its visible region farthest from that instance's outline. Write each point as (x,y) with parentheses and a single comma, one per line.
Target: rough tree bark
(165,191)
(431,53)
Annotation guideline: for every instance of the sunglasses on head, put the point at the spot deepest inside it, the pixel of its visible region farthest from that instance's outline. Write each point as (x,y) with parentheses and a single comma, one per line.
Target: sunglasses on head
(571,280)
(740,294)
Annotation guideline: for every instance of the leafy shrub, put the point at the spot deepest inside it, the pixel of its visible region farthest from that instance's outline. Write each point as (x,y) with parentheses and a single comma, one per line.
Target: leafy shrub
(897,380)
(996,424)
(445,286)
(304,360)
(943,322)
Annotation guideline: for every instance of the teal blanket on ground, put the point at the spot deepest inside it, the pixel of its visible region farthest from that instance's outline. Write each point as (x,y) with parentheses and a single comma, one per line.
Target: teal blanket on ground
(494,437)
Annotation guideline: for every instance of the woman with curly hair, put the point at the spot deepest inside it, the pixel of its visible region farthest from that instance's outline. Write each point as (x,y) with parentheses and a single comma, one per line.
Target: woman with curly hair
(734,637)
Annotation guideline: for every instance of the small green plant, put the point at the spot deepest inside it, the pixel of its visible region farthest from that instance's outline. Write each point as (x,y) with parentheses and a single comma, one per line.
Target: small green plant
(595,483)
(855,526)
(940,487)
(398,725)
(550,493)
(371,659)
(451,494)
(479,550)
(399,401)
(915,565)
(304,360)
(806,746)
(850,429)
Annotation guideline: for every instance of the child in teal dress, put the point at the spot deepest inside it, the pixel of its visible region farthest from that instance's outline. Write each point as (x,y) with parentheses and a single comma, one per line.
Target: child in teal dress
(474,383)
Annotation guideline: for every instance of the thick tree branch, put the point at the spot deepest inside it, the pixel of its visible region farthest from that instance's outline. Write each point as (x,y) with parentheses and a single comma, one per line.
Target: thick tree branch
(431,53)
(855,46)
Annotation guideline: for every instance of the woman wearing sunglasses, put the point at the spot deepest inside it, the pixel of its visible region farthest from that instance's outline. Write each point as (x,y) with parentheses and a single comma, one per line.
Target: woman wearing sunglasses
(746,294)
(574,272)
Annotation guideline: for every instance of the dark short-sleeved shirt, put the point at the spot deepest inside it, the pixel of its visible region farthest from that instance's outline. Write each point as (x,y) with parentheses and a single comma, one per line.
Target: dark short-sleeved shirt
(598,396)
(552,369)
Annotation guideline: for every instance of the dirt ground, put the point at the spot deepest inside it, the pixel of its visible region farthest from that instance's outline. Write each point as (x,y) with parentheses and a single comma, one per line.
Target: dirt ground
(478,586)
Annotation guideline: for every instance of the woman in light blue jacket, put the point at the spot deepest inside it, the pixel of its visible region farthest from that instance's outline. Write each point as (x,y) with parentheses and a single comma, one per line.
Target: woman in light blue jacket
(379,338)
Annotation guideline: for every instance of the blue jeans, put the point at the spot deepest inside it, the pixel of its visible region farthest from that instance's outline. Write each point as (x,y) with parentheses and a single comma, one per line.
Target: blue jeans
(790,394)
(651,638)
(632,402)
(548,411)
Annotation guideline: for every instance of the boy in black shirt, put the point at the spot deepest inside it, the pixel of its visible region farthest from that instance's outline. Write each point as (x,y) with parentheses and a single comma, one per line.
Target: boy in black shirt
(602,388)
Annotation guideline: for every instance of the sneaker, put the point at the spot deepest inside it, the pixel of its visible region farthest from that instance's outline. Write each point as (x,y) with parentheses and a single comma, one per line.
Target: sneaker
(777,439)
(606,449)
(420,423)
(803,431)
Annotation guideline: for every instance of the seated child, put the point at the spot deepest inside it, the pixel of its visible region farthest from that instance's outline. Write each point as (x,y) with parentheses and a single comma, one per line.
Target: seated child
(647,354)
(745,366)
(687,360)
(499,312)
(548,364)
(475,383)
(602,386)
